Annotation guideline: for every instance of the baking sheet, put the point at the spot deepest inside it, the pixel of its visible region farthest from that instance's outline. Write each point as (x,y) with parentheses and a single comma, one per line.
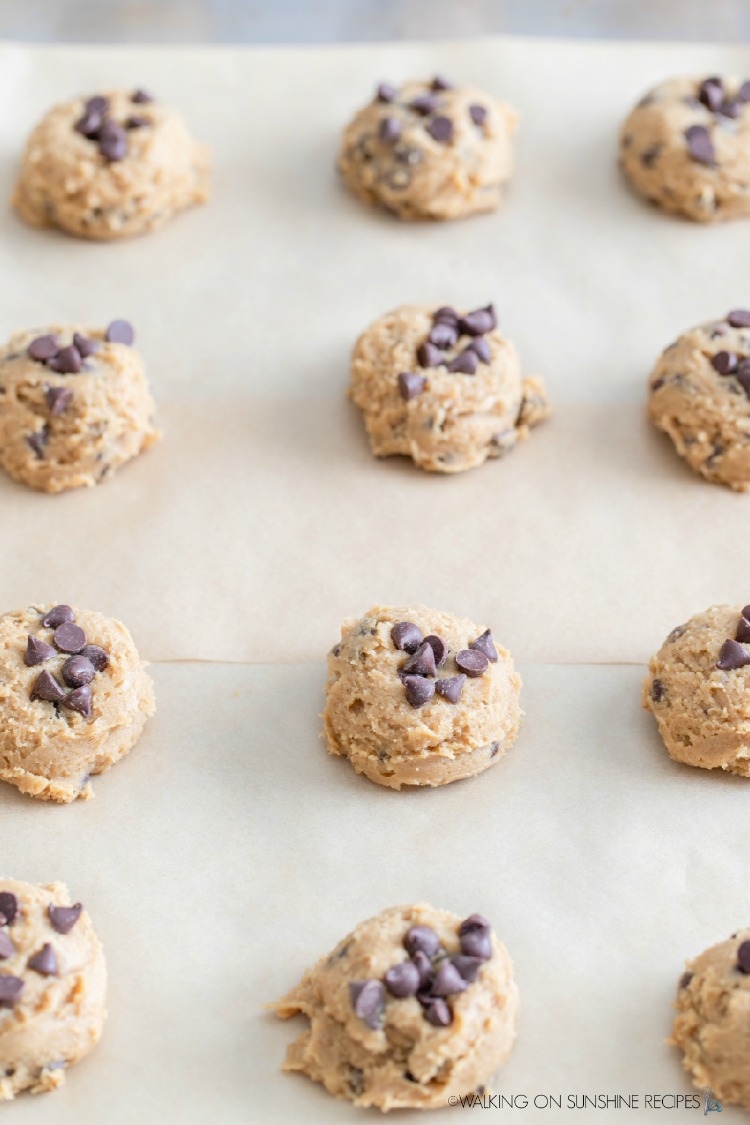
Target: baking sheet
(588,544)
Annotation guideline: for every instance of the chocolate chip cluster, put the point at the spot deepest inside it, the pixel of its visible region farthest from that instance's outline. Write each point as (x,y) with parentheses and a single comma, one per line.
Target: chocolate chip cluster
(729,363)
(109,135)
(430,974)
(427,106)
(426,654)
(447,331)
(733,654)
(62,919)
(82,663)
(713,96)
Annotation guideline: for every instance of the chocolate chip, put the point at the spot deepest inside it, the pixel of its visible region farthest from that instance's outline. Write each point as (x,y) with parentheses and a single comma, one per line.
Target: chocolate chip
(67,361)
(744,92)
(447,980)
(441,130)
(47,688)
(113,142)
(732,656)
(481,349)
(739,318)
(743,957)
(437,1013)
(410,384)
(724,362)
(711,93)
(743,630)
(79,700)
(422,939)
(37,652)
(89,125)
(486,645)
(439,648)
(386,92)
(85,345)
(730,108)
(140,97)
(418,690)
(98,657)
(98,104)
(443,334)
(465,363)
(479,321)
(69,637)
(45,961)
(657,691)
(471,661)
(743,377)
(8,907)
(451,688)
(356,1080)
(58,615)
(425,104)
(38,442)
(478,114)
(650,155)
(446,314)
(389,130)
(424,967)
(77,671)
(428,355)
(64,918)
(468,967)
(685,979)
(7,948)
(367,997)
(10,990)
(422,663)
(402,980)
(474,935)
(699,144)
(746,611)
(137,121)
(440,83)
(406,636)
(43,348)
(58,400)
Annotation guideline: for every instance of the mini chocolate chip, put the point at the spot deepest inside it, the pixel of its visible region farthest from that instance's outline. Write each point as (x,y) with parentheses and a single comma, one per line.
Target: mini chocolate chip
(79,700)
(439,648)
(743,630)
(451,688)
(440,83)
(64,918)
(471,661)
(10,990)
(77,671)
(89,125)
(98,657)
(7,948)
(739,318)
(685,979)
(743,957)
(428,355)
(37,652)
(465,363)
(45,961)
(447,980)
(478,114)
(732,656)
(438,1013)
(98,104)
(657,691)
(699,144)
(406,636)
(67,361)
(486,645)
(724,362)
(425,104)
(468,967)
(43,348)
(389,130)
(744,92)
(402,980)
(418,690)
(58,400)
(120,332)
(421,939)
(367,997)
(422,663)
(410,384)
(441,130)
(443,334)
(140,97)
(58,615)
(711,93)
(137,121)
(424,967)
(481,349)
(386,92)
(47,689)
(69,637)
(479,321)
(113,144)
(730,108)
(38,442)
(446,315)
(85,345)
(8,907)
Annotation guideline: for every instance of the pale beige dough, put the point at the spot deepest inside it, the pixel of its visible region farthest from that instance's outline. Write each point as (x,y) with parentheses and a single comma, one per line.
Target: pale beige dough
(108,421)
(407,1062)
(656,158)
(66,182)
(703,712)
(707,415)
(57,1020)
(458,421)
(47,750)
(369,721)
(712,1026)
(418,177)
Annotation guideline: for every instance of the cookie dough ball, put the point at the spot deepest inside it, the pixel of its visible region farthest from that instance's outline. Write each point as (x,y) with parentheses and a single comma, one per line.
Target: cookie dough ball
(686,147)
(74,698)
(429,150)
(713,1015)
(53,982)
(419,697)
(443,387)
(698,688)
(412,1008)
(110,166)
(74,405)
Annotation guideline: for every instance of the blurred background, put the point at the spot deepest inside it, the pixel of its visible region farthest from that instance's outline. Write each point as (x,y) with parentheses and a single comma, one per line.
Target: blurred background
(332,21)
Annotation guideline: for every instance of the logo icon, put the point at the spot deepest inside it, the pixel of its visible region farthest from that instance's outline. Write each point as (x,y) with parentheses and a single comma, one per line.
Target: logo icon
(710,1103)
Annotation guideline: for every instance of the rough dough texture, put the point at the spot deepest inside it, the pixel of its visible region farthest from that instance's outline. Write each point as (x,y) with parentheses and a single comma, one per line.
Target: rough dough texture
(50,751)
(416,176)
(407,1062)
(57,1019)
(369,721)
(108,421)
(656,158)
(711,1026)
(703,712)
(458,420)
(66,182)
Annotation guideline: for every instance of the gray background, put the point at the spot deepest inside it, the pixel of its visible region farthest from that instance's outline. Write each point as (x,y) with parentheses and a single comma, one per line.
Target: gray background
(323,21)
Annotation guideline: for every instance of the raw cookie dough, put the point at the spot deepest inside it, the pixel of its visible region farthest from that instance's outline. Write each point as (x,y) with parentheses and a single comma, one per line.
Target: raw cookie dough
(699,395)
(53,983)
(74,405)
(443,387)
(373,1041)
(419,697)
(110,166)
(74,698)
(698,688)
(712,1025)
(429,150)
(686,147)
